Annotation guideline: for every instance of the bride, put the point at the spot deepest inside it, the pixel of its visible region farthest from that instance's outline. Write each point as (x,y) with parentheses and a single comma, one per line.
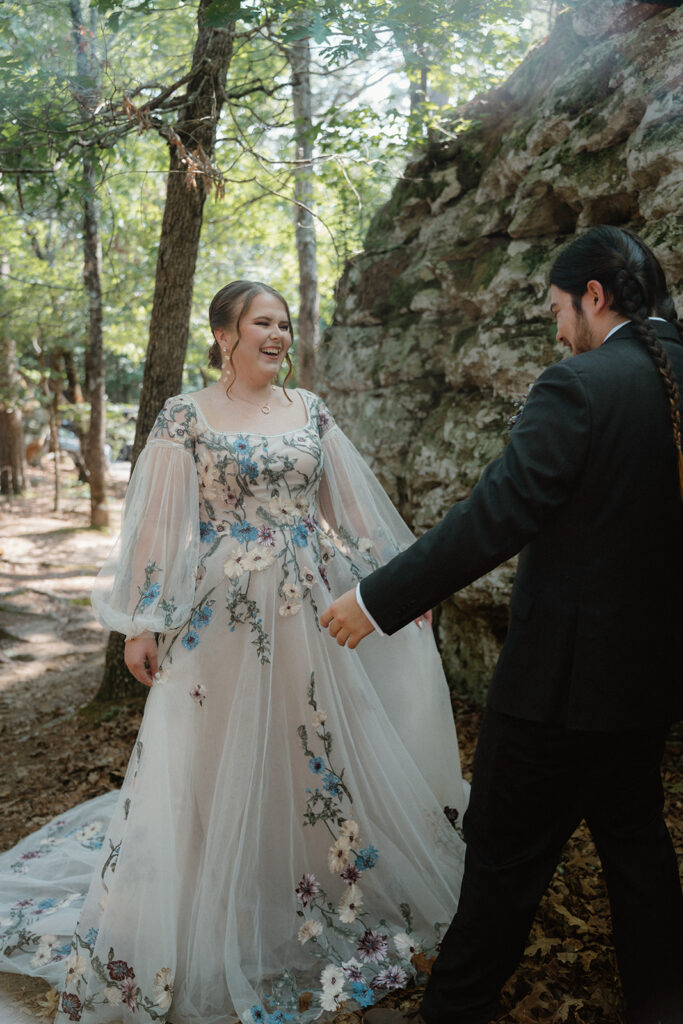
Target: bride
(279,845)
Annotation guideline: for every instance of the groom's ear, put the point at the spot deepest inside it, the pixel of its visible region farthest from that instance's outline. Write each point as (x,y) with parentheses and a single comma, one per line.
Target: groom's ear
(596,298)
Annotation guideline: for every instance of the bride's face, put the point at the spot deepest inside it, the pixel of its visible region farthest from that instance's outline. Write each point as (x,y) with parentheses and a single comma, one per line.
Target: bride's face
(264,340)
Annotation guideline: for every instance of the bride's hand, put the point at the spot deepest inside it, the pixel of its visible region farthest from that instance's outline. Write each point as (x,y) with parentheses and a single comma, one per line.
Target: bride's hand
(427,617)
(140,656)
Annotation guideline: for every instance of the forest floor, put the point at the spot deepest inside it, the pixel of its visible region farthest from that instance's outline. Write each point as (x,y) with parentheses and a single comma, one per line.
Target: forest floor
(58,748)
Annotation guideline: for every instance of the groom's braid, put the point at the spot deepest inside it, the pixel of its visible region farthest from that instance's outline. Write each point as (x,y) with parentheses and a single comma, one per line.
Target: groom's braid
(628,299)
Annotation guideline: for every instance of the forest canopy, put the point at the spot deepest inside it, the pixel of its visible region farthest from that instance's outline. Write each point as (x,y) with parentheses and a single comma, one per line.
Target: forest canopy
(384,74)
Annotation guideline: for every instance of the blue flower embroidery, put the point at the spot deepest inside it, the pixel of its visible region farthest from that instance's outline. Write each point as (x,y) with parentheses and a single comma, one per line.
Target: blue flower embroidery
(367,858)
(207,532)
(201,617)
(150,594)
(300,536)
(363,996)
(46,904)
(249,468)
(90,937)
(317,765)
(331,783)
(241,445)
(257,1014)
(243,531)
(190,640)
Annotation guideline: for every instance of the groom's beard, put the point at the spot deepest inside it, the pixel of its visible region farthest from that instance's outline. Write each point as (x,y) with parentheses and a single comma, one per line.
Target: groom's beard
(581,340)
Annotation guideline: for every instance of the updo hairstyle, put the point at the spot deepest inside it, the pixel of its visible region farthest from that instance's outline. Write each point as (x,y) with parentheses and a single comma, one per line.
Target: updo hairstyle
(226,310)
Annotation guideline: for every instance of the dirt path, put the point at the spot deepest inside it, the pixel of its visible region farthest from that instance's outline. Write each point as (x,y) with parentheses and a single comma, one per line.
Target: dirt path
(53,751)
(57,749)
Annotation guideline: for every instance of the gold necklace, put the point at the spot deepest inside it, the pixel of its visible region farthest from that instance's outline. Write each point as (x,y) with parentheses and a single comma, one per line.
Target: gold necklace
(265,408)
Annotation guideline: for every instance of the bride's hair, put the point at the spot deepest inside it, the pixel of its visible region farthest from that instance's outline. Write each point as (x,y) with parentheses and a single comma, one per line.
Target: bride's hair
(226,310)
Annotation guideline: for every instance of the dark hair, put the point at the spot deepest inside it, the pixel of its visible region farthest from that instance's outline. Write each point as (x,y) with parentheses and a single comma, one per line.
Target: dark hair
(227,308)
(635,285)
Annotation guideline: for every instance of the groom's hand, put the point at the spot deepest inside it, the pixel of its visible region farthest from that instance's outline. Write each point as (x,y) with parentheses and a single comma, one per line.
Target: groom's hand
(346,620)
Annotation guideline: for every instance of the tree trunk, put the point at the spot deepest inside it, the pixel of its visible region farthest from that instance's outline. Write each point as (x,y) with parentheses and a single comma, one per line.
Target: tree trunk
(72,391)
(87,68)
(416,70)
(193,134)
(52,413)
(12,461)
(309,324)
(182,223)
(12,458)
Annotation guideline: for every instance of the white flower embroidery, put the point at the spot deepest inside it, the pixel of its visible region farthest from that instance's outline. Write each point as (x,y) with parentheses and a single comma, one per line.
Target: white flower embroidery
(338,857)
(89,831)
(162,677)
(350,905)
(326,549)
(351,831)
(332,980)
(328,1001)
(292,591)
(319,718)
(112,995)
(364,543)
(163,987)
(308,577)
(308,930)
(281,509)
(290,608)
(207,484)
(198,694)
(41,957)
(259,558)
(406,945)
(234,566)
(75,967)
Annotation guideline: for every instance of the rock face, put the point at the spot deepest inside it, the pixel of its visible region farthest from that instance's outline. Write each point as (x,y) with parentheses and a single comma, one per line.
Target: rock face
(442,322)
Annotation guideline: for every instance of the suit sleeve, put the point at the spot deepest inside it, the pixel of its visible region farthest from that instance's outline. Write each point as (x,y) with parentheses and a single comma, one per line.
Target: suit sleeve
(507,508)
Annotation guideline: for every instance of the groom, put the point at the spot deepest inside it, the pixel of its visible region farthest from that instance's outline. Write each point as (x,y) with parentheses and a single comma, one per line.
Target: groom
(591,673)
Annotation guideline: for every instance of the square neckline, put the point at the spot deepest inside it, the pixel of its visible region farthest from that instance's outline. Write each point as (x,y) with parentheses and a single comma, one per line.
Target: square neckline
(250,433)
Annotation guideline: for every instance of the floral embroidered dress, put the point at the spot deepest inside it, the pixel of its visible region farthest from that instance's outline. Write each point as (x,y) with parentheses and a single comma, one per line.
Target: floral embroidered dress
(204,872)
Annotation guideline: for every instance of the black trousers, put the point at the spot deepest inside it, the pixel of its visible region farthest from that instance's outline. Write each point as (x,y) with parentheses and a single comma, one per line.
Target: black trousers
(532,784)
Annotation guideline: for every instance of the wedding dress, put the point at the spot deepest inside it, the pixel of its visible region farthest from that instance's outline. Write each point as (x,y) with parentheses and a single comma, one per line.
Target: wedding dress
(279,845)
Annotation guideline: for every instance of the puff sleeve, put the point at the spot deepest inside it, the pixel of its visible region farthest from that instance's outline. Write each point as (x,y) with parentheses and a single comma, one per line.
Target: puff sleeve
(148,580)
(352,502)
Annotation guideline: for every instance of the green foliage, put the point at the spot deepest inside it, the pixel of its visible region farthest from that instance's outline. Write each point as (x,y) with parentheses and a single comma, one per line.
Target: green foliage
(365,55)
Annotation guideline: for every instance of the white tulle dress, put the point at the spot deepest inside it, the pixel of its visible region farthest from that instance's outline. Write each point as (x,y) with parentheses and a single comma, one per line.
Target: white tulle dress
(279,848)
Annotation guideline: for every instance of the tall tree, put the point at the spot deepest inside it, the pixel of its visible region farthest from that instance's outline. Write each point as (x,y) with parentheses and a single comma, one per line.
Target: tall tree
(12,463)
(299,52)
(192,143)
(87,67)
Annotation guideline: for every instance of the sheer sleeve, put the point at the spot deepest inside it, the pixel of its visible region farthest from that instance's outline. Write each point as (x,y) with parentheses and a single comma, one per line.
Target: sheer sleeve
(148,580)
(353,503)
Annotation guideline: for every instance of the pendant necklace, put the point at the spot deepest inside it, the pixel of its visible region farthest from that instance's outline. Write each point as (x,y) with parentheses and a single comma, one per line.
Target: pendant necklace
(264,408)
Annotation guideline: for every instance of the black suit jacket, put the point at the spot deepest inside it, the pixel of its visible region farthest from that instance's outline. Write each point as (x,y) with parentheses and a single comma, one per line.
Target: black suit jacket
(587,490)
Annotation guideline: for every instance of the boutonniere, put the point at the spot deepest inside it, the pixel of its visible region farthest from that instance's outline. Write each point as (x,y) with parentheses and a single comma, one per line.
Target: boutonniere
(518,403)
